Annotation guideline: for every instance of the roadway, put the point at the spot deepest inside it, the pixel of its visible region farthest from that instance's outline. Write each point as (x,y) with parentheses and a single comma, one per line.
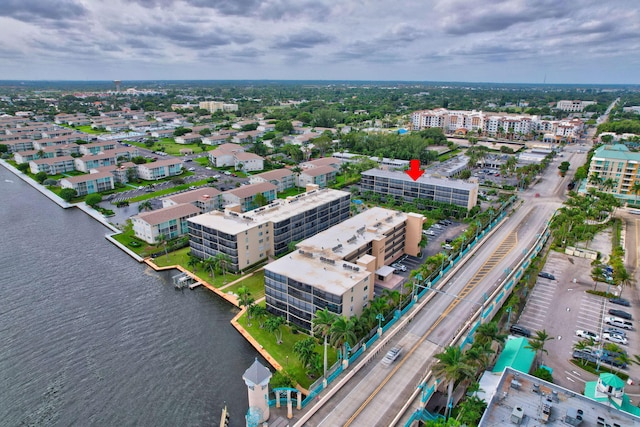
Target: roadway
(376,394)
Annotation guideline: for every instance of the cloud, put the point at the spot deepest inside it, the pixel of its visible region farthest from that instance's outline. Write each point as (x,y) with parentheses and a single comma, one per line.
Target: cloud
(303,40)
(460,18)
(38,10)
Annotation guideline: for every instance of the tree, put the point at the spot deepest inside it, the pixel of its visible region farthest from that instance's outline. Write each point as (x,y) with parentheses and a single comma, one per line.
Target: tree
(23,167)
(272,325)
(489,332)
(452,366)
(205,132)
(260,313)
(597,274)
(543,374)
(41,176)
(223,261)
(343,333)
(305,351)
(260,199)
(210,263)
(161,239)
(244,297)
(68,194)
(635,189)
(537,344)
(322,322)
(93,199)
(284,126)
(583,345)
(297,170)
(145,206)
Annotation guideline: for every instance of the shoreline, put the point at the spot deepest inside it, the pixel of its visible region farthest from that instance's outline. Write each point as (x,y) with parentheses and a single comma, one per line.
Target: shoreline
(230,298)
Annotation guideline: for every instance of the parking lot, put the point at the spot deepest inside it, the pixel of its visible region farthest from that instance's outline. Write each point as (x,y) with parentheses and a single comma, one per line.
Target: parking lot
(562,307)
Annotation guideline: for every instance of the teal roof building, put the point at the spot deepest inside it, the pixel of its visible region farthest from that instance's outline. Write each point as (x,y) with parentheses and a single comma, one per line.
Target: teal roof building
(516,356)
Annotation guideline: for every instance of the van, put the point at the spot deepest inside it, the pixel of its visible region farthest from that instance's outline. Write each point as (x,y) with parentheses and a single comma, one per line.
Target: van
(520,330)
(618,322)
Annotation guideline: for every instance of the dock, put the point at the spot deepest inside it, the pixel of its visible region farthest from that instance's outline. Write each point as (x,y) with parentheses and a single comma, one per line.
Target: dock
(194,285)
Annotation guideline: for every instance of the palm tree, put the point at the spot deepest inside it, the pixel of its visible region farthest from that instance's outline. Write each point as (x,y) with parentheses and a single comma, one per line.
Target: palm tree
(251,312)
(223,261)
(597,274)
(537,344)
(161,239)
(259,312)
(305,350)
(489,332)
(391,297)
(635,189)
(623,277)
(297,170)
(322,322)
(273,324)
(452,366)
(210,263)
(480,354)
(145,206)
(244,297)
(193,262)
(343,333)
(583,345)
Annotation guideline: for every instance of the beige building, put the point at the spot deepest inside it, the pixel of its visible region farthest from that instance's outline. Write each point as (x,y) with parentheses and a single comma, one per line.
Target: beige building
(251,237)
(617,170)
(206,199)
(337,268)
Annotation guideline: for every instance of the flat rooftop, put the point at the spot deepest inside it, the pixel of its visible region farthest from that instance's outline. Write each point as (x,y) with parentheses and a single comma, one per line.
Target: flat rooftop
(518,390)
(351,234)
(276,211)
(333,276)
(424,179)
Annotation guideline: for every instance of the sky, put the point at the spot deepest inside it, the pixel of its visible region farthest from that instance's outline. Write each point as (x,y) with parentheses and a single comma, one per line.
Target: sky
(502,41)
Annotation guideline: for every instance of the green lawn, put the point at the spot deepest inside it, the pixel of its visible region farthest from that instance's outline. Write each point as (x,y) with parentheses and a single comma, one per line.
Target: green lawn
(283,353)
(181,257)
(255,285)
(166,191)
(87,129)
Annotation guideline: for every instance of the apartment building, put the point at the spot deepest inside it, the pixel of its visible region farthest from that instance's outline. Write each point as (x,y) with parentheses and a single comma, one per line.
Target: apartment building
(213,106)
(159,169)
(170,222)
(321,176)
(617,165)
(400,185)
(248,162)
(52,165)
(88,184)
(244,197)
(205,199)
(98,147)
(283,179)
(337,268)
(223,156)
(573,106)
(253,236)
(496,124)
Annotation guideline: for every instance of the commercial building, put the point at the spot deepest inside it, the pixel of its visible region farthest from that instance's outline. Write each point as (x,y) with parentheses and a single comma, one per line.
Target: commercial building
(519,398)
(617,169)
(337,268)
(251,237)
(170,222)
(573,106)
(400,185)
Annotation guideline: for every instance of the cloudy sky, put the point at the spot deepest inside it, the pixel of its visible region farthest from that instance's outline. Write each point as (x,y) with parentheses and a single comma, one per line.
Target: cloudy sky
(506,41)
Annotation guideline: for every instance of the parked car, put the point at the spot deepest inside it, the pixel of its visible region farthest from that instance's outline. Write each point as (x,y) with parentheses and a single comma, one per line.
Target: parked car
(399,266)
(547,275)
(615,331)
(618,339)
(191,169)
(621,313)
(583,355)
(448,240)
(587,334)
(620,301)
(391,356)
(618,322)
(447,247)
(613,360)
(447,222)
(520,330)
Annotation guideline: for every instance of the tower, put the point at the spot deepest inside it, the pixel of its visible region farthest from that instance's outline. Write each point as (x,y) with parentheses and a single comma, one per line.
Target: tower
(117,83)
(257,380)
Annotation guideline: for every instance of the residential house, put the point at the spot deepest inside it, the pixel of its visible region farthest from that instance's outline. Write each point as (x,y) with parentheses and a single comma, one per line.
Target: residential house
(223,156)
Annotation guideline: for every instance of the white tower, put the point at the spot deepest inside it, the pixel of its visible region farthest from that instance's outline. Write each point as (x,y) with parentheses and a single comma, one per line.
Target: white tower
(257,380)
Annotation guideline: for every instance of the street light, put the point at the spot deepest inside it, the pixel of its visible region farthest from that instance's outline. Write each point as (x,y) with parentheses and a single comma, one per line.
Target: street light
(380,318)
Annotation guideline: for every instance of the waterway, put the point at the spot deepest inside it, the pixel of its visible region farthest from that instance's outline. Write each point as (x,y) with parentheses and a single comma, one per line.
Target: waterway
(89,337)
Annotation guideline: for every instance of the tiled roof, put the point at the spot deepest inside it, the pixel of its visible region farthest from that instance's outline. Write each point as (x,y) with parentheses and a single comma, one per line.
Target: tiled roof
(166,214)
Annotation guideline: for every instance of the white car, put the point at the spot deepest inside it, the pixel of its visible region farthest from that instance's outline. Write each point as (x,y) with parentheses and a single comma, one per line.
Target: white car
(399,266)
(192,169)
(588,334)
(391,356)
(618,339)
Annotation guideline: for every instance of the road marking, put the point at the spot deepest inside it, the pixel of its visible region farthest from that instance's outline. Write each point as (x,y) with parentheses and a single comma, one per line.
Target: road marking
(571,379)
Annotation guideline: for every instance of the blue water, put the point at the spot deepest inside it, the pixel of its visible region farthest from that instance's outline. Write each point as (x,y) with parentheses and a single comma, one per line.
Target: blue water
(90,337)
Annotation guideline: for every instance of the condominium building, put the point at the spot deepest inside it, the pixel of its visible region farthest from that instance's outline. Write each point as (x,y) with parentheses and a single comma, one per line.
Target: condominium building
(617,170)
(213,106)
(170,222)
(337,268)
(400,185)
(52,165)
(253,236)
(206,199)
(283,178)
(88,184)
(246,197)
(573,106)
(159,169)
